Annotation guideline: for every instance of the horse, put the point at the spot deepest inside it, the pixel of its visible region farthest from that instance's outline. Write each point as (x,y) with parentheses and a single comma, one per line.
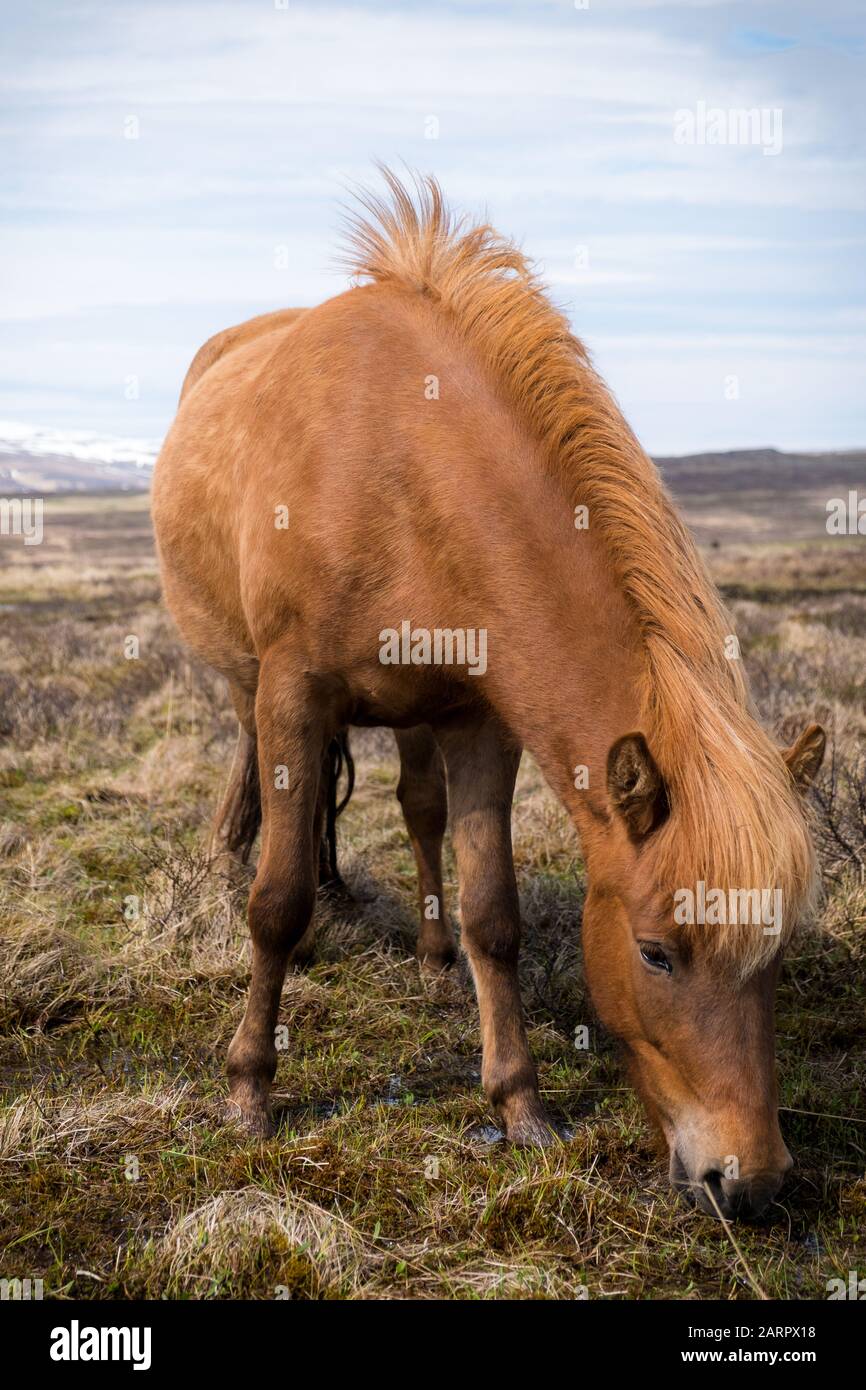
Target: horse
(347,494)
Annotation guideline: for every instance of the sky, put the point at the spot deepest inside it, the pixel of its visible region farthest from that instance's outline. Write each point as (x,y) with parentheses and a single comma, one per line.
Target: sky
(173,168)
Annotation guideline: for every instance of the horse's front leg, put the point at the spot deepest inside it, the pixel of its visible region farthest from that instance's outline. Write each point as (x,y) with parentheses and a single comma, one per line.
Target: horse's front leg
(481,765)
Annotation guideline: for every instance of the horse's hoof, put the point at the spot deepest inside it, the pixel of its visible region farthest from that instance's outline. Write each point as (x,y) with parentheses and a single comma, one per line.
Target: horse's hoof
(253,1119)
(436,963)
(337,891)
(530,1128)
(302,954)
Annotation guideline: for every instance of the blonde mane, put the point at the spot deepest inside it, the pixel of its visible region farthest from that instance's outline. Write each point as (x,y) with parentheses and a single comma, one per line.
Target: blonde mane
(736,821)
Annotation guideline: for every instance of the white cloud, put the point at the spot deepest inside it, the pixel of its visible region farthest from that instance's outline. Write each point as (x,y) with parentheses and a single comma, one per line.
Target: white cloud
(557,121)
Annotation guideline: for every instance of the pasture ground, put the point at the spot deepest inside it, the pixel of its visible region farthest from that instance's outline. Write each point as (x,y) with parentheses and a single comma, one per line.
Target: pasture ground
(124,965)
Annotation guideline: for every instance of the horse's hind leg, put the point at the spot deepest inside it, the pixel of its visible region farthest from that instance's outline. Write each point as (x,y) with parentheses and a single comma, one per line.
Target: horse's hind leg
(482,767)
(292,731)
(237,821)
(422,794)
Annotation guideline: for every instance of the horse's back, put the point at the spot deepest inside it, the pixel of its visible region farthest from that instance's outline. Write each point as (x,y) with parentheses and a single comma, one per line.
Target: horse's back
(306,477)
(231,338)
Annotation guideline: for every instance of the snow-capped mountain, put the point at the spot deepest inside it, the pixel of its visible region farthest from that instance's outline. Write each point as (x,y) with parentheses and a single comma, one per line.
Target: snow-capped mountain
(36,459)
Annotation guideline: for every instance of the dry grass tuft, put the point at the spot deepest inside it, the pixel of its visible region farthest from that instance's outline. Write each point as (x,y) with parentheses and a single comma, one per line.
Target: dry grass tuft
(254,1234)
(75,1129)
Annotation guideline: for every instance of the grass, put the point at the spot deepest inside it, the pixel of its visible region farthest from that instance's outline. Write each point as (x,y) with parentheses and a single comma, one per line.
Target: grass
(124,965)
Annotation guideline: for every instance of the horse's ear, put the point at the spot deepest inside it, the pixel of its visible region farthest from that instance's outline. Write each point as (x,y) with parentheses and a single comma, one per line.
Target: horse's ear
(635,785)
(804,757)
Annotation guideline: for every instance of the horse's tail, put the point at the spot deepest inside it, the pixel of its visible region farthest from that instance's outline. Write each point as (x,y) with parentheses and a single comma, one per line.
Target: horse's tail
(240,815)
(338,757)
(238,820)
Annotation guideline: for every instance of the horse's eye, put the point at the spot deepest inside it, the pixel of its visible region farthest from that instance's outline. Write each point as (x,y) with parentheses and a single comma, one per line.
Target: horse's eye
(655,957)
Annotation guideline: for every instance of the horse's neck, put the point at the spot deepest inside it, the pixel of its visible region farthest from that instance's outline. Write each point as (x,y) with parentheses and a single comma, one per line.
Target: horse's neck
(569,684)
(564,653)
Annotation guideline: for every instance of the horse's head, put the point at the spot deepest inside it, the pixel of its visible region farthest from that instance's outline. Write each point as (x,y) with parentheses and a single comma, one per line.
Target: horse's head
(698,1031)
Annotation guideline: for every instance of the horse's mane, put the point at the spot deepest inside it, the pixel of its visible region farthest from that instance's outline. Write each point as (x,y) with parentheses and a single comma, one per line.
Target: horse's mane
(736,821)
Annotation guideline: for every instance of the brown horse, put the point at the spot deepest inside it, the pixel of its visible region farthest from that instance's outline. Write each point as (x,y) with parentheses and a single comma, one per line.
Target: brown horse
(417,506)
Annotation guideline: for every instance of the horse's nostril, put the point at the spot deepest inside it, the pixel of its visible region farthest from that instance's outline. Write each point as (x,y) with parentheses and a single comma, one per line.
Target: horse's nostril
(714,1197)
(719,1196)
(746,1198)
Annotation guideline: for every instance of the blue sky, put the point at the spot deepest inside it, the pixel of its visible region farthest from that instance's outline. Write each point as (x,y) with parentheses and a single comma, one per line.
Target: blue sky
(720,288)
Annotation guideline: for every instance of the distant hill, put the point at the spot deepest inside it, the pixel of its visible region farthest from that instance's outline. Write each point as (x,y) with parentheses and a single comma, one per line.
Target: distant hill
(694,475)
(761,494)
(747,494)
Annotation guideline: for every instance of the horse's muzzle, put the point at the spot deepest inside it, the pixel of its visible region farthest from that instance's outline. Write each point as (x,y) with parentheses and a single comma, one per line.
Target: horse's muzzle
(743,1198)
